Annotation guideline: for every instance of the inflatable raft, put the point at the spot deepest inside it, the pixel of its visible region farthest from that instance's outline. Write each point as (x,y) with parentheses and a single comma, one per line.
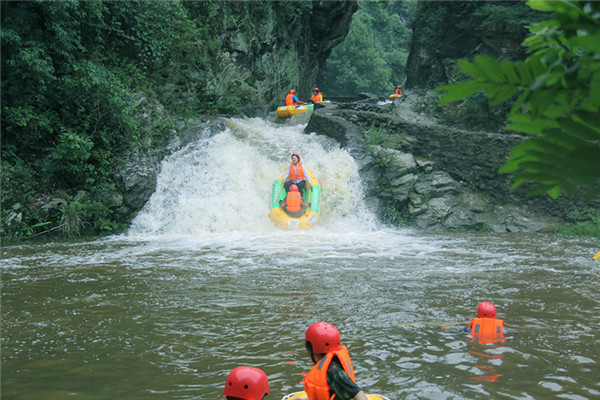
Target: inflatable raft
(288,111)
(312,213)
(395,96)
(299,395)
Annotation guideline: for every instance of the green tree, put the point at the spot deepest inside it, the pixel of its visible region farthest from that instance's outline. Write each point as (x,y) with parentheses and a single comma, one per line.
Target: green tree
(373,56)
(557,91)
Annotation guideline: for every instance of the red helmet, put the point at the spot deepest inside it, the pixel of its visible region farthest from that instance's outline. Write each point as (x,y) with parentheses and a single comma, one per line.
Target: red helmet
(296,156)
(292,91)
(486,310)
(323,337)
(315,89)
(294,188)
(246,383)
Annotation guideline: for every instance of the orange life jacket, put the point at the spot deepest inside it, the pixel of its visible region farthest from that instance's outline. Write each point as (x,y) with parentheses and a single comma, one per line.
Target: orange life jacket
(289,100)
(398,91)
(487,328)
(296,171)
(315,382)
(293,201)
(316,98)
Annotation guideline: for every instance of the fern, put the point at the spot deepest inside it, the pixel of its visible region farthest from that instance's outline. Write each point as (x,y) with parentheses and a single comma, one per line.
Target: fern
(557,91)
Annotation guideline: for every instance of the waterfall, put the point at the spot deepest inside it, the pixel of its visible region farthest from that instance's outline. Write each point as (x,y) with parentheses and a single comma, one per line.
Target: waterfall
(222,183)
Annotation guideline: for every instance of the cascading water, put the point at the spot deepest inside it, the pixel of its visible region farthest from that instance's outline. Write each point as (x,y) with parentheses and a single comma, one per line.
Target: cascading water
(223,183)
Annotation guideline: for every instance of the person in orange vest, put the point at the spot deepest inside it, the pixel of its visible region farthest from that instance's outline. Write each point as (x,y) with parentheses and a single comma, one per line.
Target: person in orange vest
(332,375)
(317,96)
(399,91)
(295,174)
(246,383)
(292,100)
(486,327)
(293,202)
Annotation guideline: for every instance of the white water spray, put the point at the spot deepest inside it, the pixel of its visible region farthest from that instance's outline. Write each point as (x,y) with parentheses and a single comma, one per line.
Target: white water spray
(223,183)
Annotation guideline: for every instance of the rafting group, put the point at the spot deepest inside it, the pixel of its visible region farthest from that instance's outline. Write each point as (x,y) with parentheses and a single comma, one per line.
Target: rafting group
(295,106)
(332,374)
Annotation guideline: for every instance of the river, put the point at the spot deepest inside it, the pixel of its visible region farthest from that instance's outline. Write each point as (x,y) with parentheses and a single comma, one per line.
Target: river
(204,282)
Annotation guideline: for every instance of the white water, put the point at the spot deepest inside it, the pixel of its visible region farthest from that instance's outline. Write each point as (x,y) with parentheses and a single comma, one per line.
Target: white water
(222,184)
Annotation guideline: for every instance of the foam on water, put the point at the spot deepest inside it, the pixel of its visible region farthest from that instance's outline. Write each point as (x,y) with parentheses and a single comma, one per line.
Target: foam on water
(223,183)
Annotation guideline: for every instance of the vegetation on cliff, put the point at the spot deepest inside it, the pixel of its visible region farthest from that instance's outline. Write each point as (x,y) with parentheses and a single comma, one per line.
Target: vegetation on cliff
(558,99)
(373,56)
(83,82)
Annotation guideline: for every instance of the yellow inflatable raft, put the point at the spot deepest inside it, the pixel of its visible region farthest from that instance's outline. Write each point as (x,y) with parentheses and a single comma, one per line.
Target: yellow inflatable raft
(300,395)
(395,96)
(312,213)
(288,111)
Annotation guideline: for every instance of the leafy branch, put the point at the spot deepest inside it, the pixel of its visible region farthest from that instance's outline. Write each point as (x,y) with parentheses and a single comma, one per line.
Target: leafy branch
(557,92)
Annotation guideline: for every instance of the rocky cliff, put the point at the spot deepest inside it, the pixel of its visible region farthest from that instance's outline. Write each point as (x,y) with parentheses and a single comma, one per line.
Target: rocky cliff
(267,48)
(423,174)
(445,31)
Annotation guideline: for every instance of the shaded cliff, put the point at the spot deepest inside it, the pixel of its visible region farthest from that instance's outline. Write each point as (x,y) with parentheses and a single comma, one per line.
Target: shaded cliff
(445,31)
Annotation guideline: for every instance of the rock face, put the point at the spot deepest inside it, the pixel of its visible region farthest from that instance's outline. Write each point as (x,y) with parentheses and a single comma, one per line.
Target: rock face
(267,48)
(445,31)
(432,177)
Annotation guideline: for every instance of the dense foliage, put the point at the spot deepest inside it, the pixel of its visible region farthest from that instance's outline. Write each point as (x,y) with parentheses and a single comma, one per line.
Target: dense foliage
(373,56)
(558,90)
(84,82)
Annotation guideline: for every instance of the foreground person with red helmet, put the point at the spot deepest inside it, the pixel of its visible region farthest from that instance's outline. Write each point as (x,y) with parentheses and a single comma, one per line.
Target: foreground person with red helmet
(246,383)
(486,327)
(332,376)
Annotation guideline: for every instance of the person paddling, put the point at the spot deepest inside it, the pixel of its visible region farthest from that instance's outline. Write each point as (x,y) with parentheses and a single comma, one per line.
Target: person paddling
(292,100)
(246,383)
(317,96)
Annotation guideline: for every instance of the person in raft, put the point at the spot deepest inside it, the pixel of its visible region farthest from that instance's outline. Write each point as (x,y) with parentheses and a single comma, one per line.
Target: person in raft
(317,96)
(295,174)
(332,375)
(399,91)
(292,100)
(486,327)
(246,383)
(293,202)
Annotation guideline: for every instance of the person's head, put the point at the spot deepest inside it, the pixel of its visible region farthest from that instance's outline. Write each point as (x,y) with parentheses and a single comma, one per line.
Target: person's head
(292,91)
(486,310)
(246,383)
(294,188)
(295,158)
(316,90)
(321,338)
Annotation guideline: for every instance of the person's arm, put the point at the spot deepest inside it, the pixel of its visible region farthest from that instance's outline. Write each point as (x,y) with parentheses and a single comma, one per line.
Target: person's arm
(341,384)
(306,175)
(285,175)
(360,396)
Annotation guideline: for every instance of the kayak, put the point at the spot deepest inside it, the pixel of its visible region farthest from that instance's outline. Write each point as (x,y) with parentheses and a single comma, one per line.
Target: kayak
(395,96)
(299,395)
(312,213)
(288,111)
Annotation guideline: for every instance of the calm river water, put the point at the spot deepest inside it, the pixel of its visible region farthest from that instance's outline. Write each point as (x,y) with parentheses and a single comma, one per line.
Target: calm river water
(204,282)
